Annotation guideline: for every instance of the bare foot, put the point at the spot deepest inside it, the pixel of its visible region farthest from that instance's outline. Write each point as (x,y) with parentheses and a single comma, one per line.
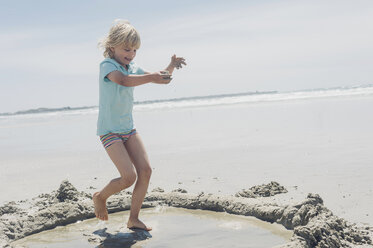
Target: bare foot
(100,207)
(137,224)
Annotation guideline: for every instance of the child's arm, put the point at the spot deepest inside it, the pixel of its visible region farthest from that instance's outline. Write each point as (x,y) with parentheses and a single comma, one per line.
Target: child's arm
(176,62)
(136,80)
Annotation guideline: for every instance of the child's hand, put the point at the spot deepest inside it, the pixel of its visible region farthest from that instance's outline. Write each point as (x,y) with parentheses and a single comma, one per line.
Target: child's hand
(161,77)
(177,62)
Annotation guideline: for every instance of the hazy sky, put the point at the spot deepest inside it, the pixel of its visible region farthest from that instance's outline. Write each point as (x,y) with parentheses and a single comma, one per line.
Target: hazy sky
(49,54)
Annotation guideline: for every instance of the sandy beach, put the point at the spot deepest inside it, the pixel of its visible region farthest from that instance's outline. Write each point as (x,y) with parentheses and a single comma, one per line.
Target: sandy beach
(320,146)
(256,117)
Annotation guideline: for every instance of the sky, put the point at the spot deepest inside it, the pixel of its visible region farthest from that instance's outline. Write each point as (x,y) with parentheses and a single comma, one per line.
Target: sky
(49,54)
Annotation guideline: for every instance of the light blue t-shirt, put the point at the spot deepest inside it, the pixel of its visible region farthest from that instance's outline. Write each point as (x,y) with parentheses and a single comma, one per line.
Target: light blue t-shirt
(115,101)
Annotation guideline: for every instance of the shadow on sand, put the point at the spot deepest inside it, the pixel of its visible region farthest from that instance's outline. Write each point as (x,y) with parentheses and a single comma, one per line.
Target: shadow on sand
(120,239)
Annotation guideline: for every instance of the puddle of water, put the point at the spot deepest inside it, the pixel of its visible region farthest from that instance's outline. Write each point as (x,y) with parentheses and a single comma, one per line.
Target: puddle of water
(172,227)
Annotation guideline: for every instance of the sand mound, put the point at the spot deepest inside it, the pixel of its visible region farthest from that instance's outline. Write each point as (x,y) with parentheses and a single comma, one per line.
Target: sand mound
(264,190)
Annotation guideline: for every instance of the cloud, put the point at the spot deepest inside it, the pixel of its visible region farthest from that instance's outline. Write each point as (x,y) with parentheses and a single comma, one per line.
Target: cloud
(273,33)
(42,51)
(258,35)
(264,46)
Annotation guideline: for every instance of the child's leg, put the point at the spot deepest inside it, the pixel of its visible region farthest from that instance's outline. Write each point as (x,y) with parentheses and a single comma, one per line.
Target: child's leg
(139,157)
(120,157)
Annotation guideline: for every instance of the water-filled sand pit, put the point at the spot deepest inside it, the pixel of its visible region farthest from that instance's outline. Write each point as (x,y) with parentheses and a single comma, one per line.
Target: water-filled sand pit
(312,223)
(172,227)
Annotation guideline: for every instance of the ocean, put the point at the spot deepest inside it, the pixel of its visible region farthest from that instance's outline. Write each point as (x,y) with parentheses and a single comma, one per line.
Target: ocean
(212,100)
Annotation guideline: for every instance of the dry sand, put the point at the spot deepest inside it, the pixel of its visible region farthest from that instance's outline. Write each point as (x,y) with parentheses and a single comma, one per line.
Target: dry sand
(313,224)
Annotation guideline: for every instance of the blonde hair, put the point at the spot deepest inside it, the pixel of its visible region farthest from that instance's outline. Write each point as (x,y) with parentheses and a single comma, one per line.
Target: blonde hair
(121,33)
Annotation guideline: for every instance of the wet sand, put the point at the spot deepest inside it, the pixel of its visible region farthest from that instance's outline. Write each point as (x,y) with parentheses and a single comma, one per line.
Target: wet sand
(319,146)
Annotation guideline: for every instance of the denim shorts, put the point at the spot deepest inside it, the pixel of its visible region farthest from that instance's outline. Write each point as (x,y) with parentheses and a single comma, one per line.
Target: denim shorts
(110,138)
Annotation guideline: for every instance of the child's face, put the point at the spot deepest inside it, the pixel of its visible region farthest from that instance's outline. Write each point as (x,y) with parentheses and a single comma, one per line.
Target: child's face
(123,55)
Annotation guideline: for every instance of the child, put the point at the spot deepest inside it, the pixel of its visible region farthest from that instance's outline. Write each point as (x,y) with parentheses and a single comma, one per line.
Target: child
(118,77)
